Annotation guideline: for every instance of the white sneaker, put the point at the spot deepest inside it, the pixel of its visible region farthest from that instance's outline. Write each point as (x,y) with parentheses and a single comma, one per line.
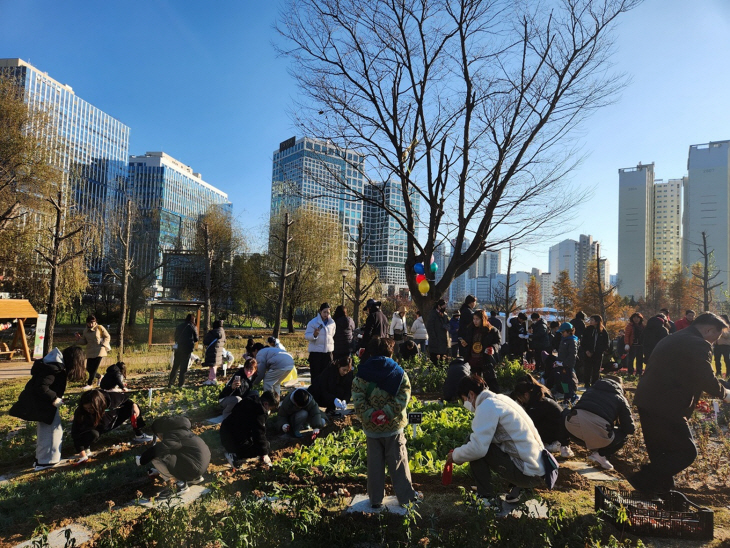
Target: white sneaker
(566,451)
(143,438)
(554,447)
(210,383)
(601,461)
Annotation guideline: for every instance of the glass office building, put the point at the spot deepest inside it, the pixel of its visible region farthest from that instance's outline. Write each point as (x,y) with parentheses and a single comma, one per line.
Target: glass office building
(171,197)
(93,149)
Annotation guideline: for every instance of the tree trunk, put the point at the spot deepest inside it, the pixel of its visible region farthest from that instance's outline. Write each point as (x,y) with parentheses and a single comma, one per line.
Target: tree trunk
(282,277)
(599,283)
(208,275)
(52,308)
(126,271)
(290,319)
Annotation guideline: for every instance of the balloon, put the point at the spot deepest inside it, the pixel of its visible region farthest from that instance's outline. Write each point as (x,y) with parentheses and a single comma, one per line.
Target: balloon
(424,286)
(418,268)
(432,259)
(434,267)
(420,278)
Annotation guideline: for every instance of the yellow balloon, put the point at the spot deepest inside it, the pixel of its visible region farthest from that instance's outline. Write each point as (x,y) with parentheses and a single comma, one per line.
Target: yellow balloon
(424,286)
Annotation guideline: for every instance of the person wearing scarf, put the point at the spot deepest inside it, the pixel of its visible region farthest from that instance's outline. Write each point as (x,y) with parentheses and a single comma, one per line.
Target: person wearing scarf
(380,392)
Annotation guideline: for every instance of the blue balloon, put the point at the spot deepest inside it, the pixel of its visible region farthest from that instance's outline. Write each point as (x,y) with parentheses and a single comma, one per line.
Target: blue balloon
(434,267)
(418,268)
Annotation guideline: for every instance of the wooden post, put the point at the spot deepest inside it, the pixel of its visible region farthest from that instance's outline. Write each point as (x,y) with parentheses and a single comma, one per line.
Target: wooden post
(23,339)
(197,321)
(152,320)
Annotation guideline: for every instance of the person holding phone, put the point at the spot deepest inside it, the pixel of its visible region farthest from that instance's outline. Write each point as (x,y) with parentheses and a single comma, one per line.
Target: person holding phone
(238,387)
(320,335)
(98,345)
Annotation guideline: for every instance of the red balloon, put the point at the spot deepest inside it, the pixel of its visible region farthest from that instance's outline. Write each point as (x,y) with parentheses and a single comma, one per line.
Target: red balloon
(420,278)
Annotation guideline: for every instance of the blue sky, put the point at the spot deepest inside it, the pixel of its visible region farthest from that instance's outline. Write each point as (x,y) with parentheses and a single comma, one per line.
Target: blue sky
(201,81)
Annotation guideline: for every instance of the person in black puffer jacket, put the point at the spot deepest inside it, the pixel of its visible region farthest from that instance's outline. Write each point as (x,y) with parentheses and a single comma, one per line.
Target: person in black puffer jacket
(458,369)
(594,344)
(178,454)
(214,341)
(545,412)
(376,324)
(593,420)
(517,337)
(114,378)
(238,387)
(334,385)
(656,329)
(539,339)
(243,433)
(344,328)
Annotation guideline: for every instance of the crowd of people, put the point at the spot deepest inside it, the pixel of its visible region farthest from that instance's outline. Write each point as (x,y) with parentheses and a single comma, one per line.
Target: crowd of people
(514,435)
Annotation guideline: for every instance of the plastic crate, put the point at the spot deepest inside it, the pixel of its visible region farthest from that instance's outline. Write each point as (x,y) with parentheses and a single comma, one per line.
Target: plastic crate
(668,516)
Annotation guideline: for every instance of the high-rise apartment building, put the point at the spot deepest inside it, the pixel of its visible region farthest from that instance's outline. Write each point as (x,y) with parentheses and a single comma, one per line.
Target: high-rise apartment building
(667,248)
(94,148)
(706,198)
(309,174)
(564,256)
(386,243)
(171,198)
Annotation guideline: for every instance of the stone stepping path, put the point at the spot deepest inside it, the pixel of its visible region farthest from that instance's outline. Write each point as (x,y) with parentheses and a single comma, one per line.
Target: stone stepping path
(587,471)
(361,504)
(535,509)
(57,538)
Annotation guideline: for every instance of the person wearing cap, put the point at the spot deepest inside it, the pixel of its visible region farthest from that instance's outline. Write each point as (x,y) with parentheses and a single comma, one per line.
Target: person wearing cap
(398,328)
(437,325)
(376,325)
(320,334)
(454,330)
(465,320)
(567,358)
(275,343)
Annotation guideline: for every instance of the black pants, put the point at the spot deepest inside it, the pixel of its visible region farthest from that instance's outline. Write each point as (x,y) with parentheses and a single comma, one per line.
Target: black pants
(636,352)
(318,362)
(720,352)
(239,445)
(92,366)
(484,366)
(123,414)
(179,363)
(498,462)
(671,449)
(592,369)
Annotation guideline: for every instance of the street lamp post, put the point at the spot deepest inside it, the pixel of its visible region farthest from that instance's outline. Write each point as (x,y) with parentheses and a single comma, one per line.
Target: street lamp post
(344,272)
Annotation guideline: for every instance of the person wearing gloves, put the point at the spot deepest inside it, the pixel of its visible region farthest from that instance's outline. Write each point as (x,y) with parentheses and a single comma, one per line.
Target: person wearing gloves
(213,343)
(186,337)
(419,332)
(546,414)
(115,378)
(274,366)
(333,388)
(97,341)
(679,370)
(565,364)
(42,396)
(243,432)
(178,455)
(297,410)
(275,343)
(504,440)
(398,328)
(100,412)
(380,392)
(480,343)
(594,344)
(320,334)
(238,387)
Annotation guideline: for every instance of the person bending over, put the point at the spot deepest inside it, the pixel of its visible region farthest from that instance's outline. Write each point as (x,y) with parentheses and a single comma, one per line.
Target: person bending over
(243,432)
(115,378)
(333,388)
(297,410)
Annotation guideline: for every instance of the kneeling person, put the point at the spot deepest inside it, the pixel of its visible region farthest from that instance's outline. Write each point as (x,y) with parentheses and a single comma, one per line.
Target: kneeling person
(243,433)
(297,410)
(238,387)
(504,441)
(178,454)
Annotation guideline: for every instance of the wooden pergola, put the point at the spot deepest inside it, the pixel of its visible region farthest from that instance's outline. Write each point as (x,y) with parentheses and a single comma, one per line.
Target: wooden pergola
(22,311)
(197,305)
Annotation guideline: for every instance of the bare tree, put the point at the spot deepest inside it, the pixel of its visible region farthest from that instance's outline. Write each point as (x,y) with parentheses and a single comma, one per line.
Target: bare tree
(362,287)
(707,274)
(468,105)
(121,267)
(284,274)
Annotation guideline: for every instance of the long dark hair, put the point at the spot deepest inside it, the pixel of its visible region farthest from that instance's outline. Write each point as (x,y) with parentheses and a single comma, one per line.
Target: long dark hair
(97,401)
(73,362)
(339,312)
(599,321)
(529,385)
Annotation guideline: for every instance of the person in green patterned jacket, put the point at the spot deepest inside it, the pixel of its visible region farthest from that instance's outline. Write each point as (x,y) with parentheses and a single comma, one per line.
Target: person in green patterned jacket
(380,392)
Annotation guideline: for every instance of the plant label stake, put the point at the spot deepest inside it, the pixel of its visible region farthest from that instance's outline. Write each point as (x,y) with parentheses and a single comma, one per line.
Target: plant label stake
(414,419)
(716,408)
(150,399)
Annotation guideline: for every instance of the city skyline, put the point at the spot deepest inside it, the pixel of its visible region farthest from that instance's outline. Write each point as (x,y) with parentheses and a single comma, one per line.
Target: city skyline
(239,112)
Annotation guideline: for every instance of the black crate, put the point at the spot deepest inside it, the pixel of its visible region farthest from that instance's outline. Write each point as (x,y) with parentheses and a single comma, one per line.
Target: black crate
(669,516)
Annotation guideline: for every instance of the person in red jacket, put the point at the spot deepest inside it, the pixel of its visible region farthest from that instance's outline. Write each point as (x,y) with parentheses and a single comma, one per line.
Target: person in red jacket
(634,339)
(689,317)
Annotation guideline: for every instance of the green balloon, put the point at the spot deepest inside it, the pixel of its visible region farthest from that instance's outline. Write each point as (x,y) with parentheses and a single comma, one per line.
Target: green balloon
(434,267)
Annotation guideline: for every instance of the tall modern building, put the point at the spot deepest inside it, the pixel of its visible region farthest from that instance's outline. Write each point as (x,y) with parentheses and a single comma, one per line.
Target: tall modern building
(564,256)
(667,248)
(311,174)
(386,240)
(171,198)
(326,179)
(94,148)
(706,198)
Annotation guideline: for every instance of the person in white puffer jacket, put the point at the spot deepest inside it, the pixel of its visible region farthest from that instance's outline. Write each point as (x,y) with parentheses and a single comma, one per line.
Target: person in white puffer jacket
(504,440)
(398,328)
(320,334)
(419,332)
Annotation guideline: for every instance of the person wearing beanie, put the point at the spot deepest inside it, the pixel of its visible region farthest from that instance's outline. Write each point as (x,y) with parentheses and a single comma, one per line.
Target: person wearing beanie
(380,393)
(42,396)
(320,334)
